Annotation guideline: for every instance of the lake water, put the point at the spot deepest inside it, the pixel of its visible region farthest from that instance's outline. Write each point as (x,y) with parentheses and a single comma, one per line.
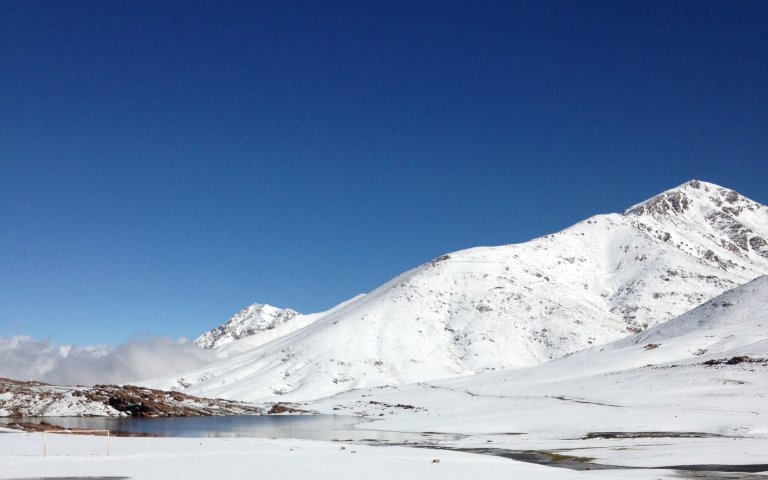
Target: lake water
(310,427)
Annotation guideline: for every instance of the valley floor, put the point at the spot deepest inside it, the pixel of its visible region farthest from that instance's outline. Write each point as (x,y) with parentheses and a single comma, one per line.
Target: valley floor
(21,457)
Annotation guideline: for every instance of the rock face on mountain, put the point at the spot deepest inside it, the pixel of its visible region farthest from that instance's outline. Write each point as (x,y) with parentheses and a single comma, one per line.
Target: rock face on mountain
(736,223)
(502,307)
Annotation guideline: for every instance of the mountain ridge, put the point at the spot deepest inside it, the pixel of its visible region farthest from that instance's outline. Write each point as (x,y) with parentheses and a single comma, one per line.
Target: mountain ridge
(488,308)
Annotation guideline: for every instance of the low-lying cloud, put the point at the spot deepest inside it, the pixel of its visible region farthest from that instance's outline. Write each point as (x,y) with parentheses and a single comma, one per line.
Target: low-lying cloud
(24,358)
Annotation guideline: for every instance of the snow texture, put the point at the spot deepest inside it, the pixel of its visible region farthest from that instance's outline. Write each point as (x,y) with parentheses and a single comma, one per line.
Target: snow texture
(704,372)
(248,458)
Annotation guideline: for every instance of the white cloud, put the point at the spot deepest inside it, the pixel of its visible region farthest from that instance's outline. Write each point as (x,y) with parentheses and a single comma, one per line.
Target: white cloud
(24,358)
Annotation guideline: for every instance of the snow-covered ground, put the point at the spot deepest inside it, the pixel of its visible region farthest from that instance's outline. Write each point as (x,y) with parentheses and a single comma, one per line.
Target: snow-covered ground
(204,458)
(705,371)
(692,391)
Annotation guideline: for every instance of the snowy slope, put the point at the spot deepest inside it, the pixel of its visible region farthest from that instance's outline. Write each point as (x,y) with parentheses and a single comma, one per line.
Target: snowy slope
(705,371)
(500,307)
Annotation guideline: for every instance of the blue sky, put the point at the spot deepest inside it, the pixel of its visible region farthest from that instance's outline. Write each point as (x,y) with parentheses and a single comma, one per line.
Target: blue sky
(164,164)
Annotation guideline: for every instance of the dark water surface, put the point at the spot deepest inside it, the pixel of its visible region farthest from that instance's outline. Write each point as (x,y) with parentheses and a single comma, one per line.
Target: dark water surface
(557,459)
(308,427)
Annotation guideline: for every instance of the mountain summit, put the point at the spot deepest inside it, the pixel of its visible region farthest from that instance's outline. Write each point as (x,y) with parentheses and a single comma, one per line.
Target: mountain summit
(694,195)
(737,222)
(502,307)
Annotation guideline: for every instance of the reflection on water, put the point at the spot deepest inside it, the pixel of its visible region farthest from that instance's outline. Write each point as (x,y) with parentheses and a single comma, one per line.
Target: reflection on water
(309,427)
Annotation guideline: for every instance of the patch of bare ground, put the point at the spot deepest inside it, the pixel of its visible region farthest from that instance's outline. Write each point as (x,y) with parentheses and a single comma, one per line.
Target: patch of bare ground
(572,462)
(613,435)
(735,361)
(280,408)
(146,402)
(717,476)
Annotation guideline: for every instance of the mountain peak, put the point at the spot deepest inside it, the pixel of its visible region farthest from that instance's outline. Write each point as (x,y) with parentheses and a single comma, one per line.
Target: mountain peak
(719,213)
(704,196)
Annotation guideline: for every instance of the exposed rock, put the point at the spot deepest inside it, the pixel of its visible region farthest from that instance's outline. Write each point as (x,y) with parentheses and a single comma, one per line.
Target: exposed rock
(41,399)
(278,408)
(735,361)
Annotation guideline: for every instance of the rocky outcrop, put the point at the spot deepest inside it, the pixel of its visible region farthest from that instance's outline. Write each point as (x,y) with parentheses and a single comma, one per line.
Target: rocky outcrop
(26,399)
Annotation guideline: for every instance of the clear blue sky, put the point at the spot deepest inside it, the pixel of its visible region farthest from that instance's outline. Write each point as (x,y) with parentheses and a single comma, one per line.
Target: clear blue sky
(164,164)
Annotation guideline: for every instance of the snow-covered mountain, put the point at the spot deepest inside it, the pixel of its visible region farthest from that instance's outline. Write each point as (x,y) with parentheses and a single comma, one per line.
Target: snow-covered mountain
(705,371)
(510,306)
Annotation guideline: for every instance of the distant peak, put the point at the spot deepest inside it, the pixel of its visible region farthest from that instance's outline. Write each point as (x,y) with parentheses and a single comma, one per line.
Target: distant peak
(259,307)
(248,321)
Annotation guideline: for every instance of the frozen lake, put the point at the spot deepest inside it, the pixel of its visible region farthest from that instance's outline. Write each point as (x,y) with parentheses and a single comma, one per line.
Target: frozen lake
(309,427)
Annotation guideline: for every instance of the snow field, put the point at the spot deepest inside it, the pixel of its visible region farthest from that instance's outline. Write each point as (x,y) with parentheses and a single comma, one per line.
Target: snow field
(202,459)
